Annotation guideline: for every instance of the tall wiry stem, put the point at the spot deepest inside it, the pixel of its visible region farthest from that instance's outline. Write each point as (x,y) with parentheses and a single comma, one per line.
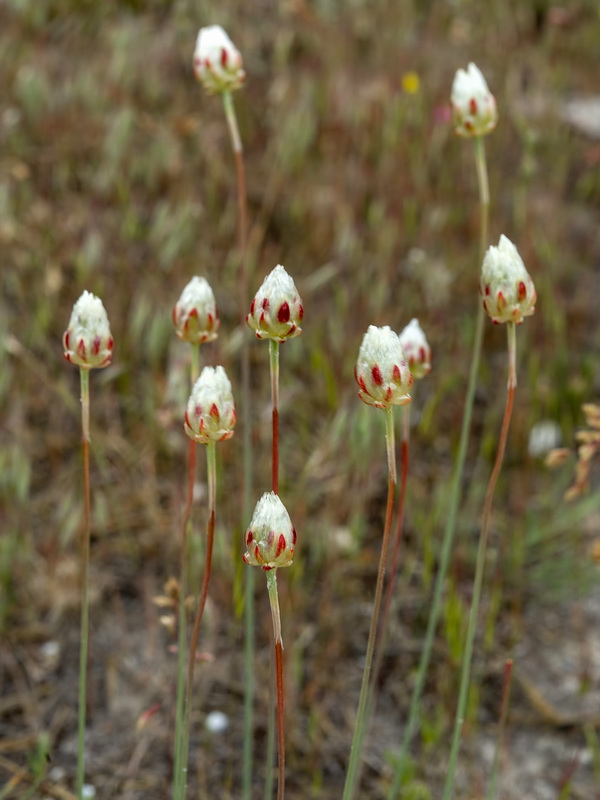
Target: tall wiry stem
(210,534)
(236,143)
(85,570)
(274,364)
(274,601)
(450,527)
(358,737)
(180,769)
(480,566)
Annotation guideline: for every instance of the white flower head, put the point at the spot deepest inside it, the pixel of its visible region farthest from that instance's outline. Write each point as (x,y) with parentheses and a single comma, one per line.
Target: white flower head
(276,311)
(271,537)
(195,314)
(382,371)
(217,61)
(210,414)
(88,342)
(416,348)
(506,287)
(474,111)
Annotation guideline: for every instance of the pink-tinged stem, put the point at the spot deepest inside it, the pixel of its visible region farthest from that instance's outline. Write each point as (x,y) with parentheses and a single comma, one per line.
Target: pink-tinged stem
(180,733)
(274,601)
(359,727)
(236,143)
(274,364)
(85,571)
(210,532)
(480,565)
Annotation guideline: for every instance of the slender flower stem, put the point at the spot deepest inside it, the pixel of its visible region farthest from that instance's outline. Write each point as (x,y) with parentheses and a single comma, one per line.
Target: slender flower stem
(274,601)
(500,741)
(180,769)
(274,364)
(358,737)
(85,571)
(450,527)
(480,567)
(210,534)
(236,143)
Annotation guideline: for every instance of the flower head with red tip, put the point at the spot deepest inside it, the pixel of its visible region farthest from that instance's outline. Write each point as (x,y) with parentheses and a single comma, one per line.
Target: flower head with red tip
(88,342)
(382,371)
(276,311)
(417,349)
(217,61)
(271,537)
(506,287)
(210,413)
(195,314)
(474,111)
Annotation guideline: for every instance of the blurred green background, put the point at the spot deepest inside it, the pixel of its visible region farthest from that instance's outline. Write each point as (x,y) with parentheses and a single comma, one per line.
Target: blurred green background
(116,176)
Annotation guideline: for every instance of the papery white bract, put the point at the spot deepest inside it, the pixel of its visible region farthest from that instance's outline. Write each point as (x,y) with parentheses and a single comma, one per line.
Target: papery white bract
(88,342)
(271,537)
(195,314)
(506,287)
(474,111)
(276,311)
(217,61)
(210,414)
(382,371)
(416,348)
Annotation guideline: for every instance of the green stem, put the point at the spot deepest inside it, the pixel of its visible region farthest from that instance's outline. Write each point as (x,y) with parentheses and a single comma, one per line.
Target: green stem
(479,571)
(195,363)
(450,527)
(210,535)
(85,570)
(274,364)
(236,143)
(359,727)
(274,601)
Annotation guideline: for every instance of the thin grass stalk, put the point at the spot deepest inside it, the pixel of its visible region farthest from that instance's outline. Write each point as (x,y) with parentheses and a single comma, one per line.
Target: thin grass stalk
(450,527)
(210,534)
(491,795)
(180,769)
(360,723)
(392,572)
(480,566)
(236,143)
(85,571)
(278,642)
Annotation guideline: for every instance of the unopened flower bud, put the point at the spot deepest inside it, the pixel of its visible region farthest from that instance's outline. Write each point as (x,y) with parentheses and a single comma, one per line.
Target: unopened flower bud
(416,348)
(217,61)
(87,341)
(506,287)
(271,537)
(195,314)
(382,371)
(474,110)
(210,413)
(276,311)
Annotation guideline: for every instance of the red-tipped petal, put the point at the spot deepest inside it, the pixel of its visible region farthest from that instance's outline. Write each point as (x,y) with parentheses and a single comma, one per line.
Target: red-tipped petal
(473,106)
(280,545)
(522,290)
(283,315)
(376,373)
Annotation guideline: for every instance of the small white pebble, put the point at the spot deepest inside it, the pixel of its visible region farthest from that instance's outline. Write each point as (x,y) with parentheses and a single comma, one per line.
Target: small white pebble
(50,650)
(216,722)
(88,791)
(544,436)
(56,774)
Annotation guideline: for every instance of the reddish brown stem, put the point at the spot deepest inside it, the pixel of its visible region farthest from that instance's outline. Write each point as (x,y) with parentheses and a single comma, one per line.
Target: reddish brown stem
(280,720)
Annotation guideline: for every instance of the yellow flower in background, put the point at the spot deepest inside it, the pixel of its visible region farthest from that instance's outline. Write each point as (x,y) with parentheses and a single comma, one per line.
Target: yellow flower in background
(411,83)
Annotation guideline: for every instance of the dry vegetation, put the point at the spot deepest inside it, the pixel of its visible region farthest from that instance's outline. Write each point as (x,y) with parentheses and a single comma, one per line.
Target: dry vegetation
(116,176)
